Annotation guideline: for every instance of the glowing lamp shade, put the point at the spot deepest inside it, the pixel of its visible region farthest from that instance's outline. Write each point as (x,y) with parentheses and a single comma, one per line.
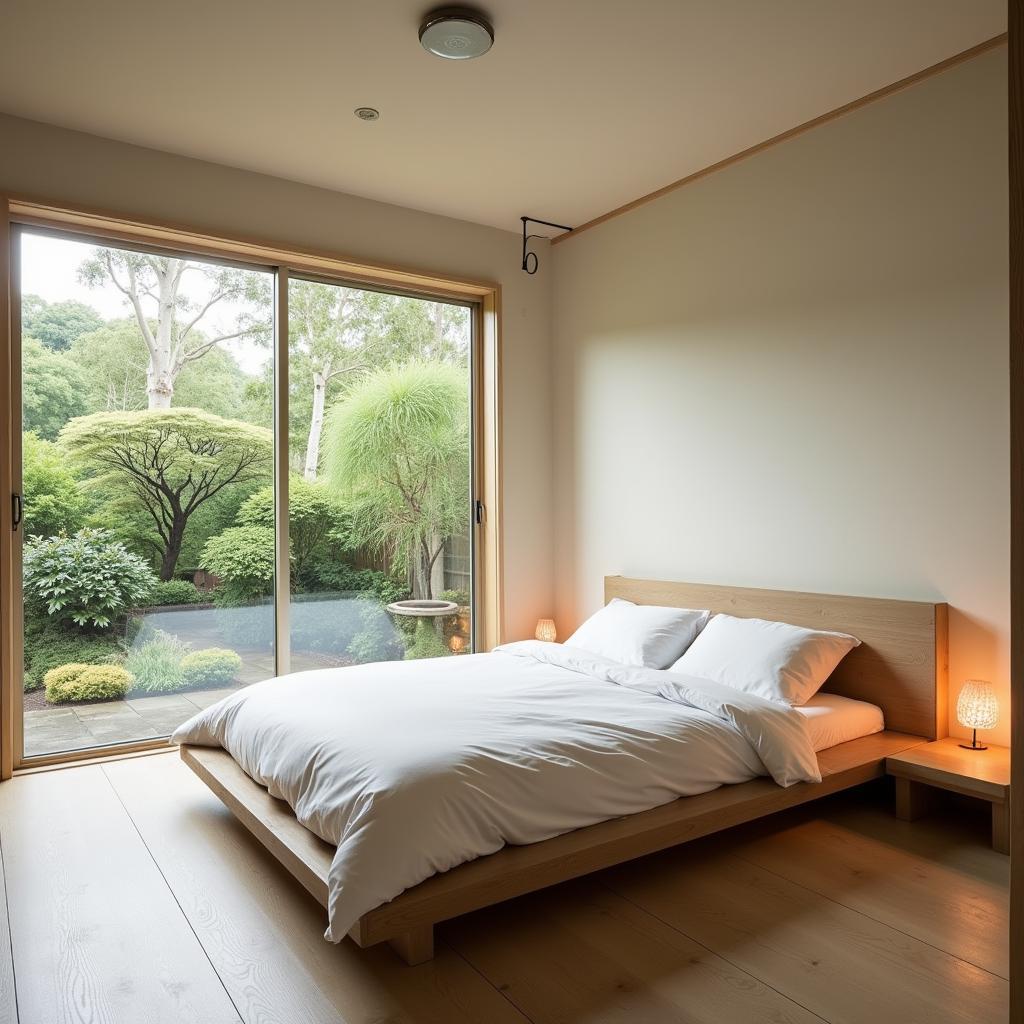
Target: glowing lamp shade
(977,708)
(546,630)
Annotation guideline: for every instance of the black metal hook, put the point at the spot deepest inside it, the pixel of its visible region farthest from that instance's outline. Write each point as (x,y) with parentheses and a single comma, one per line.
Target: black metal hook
(531,268)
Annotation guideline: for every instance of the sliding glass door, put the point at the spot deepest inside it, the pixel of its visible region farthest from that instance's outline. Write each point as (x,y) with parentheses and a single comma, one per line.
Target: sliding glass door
(155,519)
(380,460)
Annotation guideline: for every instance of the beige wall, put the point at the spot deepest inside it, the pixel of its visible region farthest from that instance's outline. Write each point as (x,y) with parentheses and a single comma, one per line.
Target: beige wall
(793,373)
(39,160)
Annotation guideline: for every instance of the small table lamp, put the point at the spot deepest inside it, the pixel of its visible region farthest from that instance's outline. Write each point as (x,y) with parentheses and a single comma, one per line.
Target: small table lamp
(546,630)
(977,708)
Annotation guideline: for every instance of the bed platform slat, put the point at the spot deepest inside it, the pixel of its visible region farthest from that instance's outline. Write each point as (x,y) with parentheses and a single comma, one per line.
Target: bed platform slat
(407,921)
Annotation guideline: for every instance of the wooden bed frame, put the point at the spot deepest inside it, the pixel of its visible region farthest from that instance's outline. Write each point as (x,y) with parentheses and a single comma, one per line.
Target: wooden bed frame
(900,666)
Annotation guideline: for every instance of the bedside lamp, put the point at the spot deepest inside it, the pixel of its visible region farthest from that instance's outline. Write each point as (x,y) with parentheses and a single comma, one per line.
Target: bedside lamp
(977,708)
(546,630)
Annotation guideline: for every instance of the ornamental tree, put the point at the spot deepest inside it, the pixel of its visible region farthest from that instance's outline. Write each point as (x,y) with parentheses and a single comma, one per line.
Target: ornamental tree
(171,462)
(398,448)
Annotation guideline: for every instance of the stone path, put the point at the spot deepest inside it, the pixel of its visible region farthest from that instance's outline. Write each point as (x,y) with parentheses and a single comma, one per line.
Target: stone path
(58,729)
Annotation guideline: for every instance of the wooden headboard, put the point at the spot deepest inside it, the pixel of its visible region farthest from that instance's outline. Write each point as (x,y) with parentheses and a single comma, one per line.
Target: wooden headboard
(901,664)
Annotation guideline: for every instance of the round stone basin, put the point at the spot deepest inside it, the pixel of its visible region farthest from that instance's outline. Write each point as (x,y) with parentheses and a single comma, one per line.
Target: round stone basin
(423,609)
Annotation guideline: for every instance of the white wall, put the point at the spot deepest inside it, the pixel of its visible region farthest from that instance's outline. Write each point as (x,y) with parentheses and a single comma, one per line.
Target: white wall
(51,163)
(793,373)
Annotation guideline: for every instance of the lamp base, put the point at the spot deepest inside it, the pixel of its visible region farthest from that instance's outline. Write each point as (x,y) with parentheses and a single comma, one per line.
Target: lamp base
(972,746)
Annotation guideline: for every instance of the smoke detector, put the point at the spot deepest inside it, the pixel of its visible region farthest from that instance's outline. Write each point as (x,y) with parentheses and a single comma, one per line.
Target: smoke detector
(456,33)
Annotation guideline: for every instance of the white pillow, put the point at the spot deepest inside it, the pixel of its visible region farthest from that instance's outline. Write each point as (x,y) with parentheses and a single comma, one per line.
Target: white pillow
(784,663)
(639,634)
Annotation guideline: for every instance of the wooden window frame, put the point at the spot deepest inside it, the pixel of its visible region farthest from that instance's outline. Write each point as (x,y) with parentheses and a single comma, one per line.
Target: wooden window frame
(484,299)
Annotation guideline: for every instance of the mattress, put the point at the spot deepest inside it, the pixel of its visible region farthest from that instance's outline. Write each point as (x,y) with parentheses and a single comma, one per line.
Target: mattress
(832,719)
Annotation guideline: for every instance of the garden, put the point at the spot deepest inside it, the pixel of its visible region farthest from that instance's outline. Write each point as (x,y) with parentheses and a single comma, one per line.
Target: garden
(149,505)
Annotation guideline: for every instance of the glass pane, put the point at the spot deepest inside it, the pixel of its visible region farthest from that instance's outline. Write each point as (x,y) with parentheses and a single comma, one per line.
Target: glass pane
(379,496)
(146,418)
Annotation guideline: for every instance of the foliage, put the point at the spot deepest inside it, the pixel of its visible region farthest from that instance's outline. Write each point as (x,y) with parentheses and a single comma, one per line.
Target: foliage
(167,312)
(375,641)
(459,597)
(86,682)
(342,577)
(315,520)
(169,461)
(87,578)
(156,664)
(243,558)
(57,325)
(425,642)
(398,447)
(54,502)
(113,359)
(211,667)
(171,592)
(51,389)
(51,646)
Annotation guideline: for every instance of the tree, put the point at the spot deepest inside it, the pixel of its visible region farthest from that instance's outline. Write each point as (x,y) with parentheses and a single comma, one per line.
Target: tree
(51,389)
(324,343)
(113,362)
(54,503)
(168,317)
(59,324)
(398,447)
(337,333)
(170,461)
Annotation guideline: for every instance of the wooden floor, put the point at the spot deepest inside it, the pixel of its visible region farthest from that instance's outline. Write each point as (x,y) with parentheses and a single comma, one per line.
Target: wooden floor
(133,896)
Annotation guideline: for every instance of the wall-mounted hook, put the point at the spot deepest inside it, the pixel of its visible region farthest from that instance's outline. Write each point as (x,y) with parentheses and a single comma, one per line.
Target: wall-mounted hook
(531,268)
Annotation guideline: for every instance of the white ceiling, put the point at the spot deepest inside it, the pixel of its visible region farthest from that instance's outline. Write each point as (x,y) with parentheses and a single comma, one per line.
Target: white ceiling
(581,105)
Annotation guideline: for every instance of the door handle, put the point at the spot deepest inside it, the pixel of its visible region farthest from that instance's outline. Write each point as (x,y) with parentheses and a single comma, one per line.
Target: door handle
(17,510)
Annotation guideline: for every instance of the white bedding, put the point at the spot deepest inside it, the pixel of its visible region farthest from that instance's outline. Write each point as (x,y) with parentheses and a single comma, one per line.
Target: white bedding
(832,719)
(412,768)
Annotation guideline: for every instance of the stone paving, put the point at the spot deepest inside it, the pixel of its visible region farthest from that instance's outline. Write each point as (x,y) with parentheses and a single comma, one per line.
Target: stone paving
(53,730)
(58,729)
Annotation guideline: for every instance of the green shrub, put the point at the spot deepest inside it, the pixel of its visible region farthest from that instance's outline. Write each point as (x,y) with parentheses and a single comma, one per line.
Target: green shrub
(459,597)
(156,664)
(243,558)
(212,667)
(169,592)
(52,646)
(87,579)
(340,576)
(377,640)
(425,642)
(316,521)
(86,682)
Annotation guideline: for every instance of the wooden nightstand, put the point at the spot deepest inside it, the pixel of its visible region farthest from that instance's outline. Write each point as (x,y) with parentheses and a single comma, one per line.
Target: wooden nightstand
(944,764)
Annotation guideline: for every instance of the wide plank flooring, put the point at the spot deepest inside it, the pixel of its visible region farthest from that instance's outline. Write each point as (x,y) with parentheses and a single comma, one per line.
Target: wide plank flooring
(129,894)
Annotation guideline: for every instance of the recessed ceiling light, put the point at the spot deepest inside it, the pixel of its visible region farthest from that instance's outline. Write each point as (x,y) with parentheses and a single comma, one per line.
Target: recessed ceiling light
(456,33)
(367,113)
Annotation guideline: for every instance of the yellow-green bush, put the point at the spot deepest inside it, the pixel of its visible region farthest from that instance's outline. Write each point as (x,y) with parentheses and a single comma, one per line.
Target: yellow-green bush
(213,666)
(86,682)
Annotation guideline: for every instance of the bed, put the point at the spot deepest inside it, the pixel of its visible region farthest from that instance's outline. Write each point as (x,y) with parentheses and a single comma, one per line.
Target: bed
(899,668)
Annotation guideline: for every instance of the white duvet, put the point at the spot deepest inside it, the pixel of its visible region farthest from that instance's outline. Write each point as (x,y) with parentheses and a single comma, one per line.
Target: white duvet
(411,768)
